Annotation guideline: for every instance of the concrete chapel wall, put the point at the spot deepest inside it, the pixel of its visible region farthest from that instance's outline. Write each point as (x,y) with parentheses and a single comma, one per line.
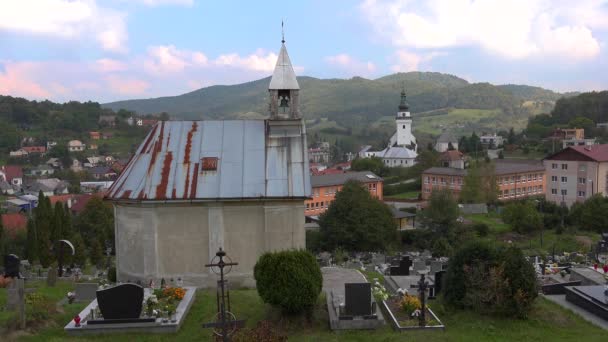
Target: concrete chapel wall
(155,241)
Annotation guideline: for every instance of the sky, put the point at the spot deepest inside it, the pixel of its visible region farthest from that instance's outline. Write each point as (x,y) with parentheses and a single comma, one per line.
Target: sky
(108,50)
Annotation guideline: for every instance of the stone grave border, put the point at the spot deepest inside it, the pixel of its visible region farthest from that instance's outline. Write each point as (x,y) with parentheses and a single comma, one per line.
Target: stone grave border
(152,327)
(397,326)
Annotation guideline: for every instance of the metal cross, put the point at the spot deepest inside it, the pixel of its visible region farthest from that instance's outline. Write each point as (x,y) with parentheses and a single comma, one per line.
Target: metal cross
(422,286)
(282,32)
(226,320)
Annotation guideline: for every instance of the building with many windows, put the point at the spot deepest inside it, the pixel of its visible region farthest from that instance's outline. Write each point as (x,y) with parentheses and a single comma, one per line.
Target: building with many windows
(515,179)
(325,187)
(577,173)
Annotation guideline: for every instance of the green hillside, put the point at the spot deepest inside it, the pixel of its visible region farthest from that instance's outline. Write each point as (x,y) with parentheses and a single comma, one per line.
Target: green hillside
(350,102)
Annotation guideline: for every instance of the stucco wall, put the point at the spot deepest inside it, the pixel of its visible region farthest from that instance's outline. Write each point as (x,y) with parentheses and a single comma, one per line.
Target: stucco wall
(155,241)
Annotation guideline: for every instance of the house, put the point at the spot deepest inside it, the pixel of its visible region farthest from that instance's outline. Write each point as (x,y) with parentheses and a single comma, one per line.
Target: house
(515,179)
(14,223)
(445,140)
(147,122)
(108,160)
(17,205)
(318,155)
(50,144)
(102,172)
(92,161)
(106,135)
(119,165)
(77,165)
(6,188)
(193,187)
(93,146)
(98,186)
(576,173)
(76,146)
(41,171)
(107,120)
(54,163)
(452,158)
(94,135)
(401,149)
(491,140)
(49,187)
(325,187)
(403,219)
(12,174)
(34,149)
(18,153)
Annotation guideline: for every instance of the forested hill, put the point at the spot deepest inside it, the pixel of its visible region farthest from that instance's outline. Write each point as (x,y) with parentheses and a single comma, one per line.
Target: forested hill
(346,100)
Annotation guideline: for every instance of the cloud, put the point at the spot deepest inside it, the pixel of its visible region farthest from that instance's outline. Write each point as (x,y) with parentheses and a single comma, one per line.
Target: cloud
(17,79)
(351,65)
(127,85)
(110,65)
(405,61)
(258,61)
(514,29)
(155,3)
(78,19)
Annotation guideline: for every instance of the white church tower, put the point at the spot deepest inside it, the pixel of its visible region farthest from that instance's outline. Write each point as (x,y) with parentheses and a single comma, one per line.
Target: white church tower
(404,124)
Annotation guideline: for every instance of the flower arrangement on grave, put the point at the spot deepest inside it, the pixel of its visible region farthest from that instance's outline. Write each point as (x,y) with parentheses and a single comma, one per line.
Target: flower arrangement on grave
(71,296)
(379,291)
(176,293)
(164,301)
(410,304)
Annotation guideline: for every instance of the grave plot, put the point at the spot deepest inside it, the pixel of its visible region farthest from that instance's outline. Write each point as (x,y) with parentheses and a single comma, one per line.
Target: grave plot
(409,311)
(132,308)
(349,300)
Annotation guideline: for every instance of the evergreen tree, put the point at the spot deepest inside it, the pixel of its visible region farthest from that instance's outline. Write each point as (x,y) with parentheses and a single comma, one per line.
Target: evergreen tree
(67,220)
(31,245)
(96,222)
(472,188)
(96,253)
(441,215)
(57,223)
(80,256)
(511,137)
(43,217)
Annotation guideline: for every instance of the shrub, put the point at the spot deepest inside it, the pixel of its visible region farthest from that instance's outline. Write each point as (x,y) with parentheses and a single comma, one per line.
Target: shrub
(481,229)
(289,280)
(487,279)
(313,241)
(442,247)
(112,274)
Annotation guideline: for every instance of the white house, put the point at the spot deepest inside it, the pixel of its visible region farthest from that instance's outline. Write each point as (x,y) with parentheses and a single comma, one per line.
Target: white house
(445,139)
(76,146)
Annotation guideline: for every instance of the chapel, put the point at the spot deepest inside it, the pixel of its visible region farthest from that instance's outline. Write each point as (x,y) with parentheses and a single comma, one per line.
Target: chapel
(195,186)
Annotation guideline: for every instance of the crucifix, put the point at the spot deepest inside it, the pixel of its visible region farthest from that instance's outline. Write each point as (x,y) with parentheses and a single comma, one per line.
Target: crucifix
(225,323)
(422,287)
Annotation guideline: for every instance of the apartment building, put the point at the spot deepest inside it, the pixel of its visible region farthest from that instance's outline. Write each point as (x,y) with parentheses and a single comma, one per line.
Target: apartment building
(325,187)
(577,173)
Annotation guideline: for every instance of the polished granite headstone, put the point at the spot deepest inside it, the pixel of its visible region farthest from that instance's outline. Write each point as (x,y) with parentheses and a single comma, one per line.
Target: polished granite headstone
(11,266)
(358,297)
(121,303)
(591,298)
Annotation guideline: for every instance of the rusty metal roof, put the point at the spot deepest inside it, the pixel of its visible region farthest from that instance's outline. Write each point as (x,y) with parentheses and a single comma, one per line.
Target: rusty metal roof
(168,165)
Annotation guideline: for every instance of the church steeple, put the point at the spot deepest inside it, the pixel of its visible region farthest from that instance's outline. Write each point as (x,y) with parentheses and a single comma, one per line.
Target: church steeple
(284,88)
(403,106)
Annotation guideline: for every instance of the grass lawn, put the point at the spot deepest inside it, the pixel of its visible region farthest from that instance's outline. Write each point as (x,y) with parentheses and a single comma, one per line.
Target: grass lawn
(568,241)
(547,322)
(405,195)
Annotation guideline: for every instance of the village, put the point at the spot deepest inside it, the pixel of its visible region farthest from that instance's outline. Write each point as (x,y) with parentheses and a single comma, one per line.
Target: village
(419,224)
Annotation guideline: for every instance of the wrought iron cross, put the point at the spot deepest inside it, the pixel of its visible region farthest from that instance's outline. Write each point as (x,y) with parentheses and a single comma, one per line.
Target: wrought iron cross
(422,287)
(225,320)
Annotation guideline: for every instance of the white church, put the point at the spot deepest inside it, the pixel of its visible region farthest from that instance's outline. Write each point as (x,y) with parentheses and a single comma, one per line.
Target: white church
(401,149)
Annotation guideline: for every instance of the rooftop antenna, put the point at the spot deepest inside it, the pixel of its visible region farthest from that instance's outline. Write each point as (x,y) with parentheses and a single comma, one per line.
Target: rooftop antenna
(282,32)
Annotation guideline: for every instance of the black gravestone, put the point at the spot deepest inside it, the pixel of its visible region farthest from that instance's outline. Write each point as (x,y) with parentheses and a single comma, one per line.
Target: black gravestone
(439,282)
(121,301)
(403,269)
(11,266)
(358,297)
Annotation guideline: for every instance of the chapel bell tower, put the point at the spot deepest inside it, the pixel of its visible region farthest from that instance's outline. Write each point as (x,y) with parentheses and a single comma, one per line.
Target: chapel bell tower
(284,89)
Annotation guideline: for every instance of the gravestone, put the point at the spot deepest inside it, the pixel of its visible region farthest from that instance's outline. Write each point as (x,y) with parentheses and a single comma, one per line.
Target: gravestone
(436,266)
(419,265)
(51,277)
(85,291)
(439,282)
(358,299)
(11,266)
(121,301)
(403,269)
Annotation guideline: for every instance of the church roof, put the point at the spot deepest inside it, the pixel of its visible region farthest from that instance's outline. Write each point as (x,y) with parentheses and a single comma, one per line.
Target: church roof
(283,76)
(399,152)
(214,160)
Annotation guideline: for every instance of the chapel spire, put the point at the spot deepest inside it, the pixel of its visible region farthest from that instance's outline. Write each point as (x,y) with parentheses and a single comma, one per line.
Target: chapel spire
(284,87)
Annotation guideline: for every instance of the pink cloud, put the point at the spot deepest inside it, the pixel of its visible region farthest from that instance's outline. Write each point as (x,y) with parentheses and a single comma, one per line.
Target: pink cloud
(126,85)
(16,80)
(110,65)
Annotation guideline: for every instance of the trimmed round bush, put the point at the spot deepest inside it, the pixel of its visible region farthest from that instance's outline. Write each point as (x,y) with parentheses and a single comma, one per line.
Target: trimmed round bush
(289,280)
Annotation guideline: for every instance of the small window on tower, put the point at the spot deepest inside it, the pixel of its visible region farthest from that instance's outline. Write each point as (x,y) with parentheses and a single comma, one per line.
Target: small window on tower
(403,126)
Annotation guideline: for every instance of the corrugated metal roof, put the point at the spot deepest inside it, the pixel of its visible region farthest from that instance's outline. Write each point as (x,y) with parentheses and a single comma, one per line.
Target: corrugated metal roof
(283,76)
(168,164)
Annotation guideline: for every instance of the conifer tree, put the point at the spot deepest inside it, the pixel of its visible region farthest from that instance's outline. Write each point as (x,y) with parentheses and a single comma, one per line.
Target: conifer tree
(31,245)
(43,218)
(80,256)
(67,216)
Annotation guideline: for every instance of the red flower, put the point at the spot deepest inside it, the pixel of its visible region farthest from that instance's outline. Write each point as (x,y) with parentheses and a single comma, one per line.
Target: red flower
(77,320)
